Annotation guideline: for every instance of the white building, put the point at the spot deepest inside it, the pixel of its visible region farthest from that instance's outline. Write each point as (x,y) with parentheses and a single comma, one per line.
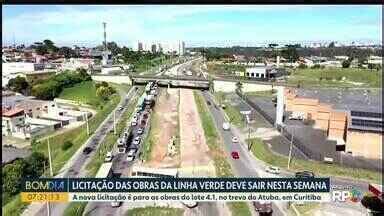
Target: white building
(13,122)
(19,67)
(13,69)
(256,72)
(177,47)
(375,60)
(77,63)
(342,58)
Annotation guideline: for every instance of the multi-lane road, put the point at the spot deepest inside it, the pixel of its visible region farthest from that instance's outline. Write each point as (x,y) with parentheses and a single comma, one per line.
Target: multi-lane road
(120,167)
(245,166)
(75,167)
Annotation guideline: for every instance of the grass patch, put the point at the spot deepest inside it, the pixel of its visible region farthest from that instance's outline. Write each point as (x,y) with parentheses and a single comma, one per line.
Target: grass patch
(76,135)
(83,93)
(150,140)
(306,209)
(224,69)
(333,77)
(14,207)
(239,208)
(223,168)
(158,211)
(75,209)
(261,93)
(263,153)
(234,115)
(111,138)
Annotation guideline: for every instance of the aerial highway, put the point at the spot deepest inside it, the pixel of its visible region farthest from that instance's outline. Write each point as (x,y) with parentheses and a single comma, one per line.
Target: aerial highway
(75,167)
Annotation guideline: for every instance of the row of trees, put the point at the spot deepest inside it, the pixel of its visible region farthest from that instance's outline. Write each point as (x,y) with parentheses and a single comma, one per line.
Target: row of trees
(12,174)
(290,52)
(49,89)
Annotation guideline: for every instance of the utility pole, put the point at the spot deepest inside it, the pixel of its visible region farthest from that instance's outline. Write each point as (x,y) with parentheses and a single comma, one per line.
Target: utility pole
(249,139)
(86,121)
(114,122)
(51,172)
(290,151)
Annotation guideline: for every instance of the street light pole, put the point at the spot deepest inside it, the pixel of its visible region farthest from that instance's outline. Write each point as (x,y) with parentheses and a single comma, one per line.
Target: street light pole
(51,172)
(86,120)
(249,138)
(114,122)
(290,151)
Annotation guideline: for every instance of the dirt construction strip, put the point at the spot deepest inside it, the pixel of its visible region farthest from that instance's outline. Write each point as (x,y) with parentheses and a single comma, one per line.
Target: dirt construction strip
(193,146)
(163,128)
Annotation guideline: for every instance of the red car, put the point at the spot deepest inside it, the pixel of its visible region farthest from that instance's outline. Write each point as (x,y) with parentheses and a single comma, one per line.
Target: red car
(235,155)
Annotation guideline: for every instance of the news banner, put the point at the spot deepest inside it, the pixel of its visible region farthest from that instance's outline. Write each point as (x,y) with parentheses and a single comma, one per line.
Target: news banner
(175,189)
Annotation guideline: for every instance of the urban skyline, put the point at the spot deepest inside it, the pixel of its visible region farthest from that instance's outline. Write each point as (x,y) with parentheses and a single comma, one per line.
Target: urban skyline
(196,25)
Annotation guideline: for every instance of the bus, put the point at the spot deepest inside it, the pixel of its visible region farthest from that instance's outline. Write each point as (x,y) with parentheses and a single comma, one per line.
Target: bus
(105,170)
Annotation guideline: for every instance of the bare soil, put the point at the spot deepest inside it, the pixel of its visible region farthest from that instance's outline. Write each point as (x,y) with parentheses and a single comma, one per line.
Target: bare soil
(194,149)
(165,117)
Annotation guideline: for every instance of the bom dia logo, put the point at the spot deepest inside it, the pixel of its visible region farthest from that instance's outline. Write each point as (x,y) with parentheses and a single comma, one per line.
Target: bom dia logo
(354,195)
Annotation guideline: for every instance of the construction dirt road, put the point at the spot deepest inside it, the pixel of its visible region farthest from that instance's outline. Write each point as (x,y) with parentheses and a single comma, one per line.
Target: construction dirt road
(193,146)
(164,126)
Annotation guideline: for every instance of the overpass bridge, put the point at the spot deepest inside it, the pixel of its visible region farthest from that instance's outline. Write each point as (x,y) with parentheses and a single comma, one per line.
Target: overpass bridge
(190,82)
(217,84)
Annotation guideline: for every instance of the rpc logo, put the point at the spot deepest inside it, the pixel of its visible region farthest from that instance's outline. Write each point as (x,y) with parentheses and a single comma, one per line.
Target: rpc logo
(352,195)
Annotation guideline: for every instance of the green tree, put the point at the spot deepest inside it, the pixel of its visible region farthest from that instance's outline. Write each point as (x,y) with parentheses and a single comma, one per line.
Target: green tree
(67,52)
(67,144)
(104,92)
(84,75)
(18,84)
(35,164)
(290,53)
(50,46)
(346,63)
(12,175)
(47,90)
(239,87)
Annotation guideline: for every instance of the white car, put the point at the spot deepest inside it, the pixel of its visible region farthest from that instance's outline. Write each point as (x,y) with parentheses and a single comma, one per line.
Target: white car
(130,157)
(134,123)
(226,126)
(140,131)
(136,141)
(235,139)
(116,204)
(272,169)
(108,157)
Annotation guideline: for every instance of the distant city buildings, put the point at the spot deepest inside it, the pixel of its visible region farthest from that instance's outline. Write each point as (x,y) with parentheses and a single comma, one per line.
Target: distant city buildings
(177,48)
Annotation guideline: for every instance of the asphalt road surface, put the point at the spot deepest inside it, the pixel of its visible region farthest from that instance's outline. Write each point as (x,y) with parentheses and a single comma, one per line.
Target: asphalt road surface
(244,166)
(120,166)
(80,161)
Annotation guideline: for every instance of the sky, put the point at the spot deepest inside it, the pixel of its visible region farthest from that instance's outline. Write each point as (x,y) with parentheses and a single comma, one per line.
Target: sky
(205,25)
